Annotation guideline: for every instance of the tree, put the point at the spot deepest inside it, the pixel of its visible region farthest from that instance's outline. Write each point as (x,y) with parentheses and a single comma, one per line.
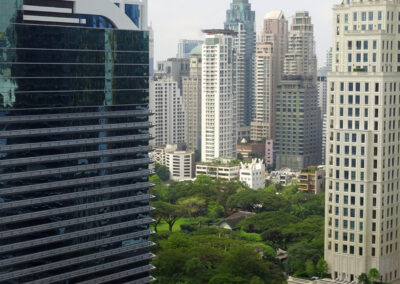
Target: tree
(373,275)
(322,267)
(363,278)
(310,269)
(193,206)
(215,210)
(162,171)
(170,213)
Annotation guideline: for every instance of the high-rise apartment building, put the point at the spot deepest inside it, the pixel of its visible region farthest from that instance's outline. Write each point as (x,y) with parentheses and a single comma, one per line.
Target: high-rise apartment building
(362,199)
(322,84)
(191,93)
(185,47)
(298,126)
(269,66)
(218,102)
(176,68)
(241,19)
(74,142)
(166,104)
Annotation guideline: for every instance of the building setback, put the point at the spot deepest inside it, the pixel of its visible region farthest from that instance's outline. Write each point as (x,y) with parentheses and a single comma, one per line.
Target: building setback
(241,19)
(298,137)
(191,93)
(219,124)
(362,200)
(74,189)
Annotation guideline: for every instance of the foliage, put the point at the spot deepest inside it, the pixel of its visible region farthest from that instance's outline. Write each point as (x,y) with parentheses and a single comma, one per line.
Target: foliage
(322,267)
(162,171)
(192,249)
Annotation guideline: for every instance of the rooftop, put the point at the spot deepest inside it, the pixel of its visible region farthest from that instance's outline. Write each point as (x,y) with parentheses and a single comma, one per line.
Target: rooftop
(274,15)
(219,31)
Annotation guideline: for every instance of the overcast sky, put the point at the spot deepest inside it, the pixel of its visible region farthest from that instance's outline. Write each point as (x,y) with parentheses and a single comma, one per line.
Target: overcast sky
(184,19)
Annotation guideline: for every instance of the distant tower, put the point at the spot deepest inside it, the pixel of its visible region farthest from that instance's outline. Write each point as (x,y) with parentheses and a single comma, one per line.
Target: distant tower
(362,228)
(219,126)
(191,92)
(241,19)
(298,138)
(269,66)
(185,46)
(167,105)
(151,50)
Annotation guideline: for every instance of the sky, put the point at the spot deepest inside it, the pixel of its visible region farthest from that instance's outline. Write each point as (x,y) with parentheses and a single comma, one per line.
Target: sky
(184,19)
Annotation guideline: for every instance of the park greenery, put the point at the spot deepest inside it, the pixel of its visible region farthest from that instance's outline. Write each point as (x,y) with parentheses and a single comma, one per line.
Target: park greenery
(192,248)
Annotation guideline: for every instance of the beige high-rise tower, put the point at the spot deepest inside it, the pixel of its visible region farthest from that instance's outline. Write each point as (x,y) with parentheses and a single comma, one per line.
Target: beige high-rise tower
(363,141)
(191,93)
(269,66)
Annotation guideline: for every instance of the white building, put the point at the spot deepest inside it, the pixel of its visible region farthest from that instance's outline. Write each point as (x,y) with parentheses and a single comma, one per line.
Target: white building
(167,105)
(219,125)
(179,161)
(363,150)
(217,170)
(253,174)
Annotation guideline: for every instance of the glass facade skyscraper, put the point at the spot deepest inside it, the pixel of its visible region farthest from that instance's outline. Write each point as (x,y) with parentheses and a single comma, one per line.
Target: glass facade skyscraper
(74,143)
(241,19)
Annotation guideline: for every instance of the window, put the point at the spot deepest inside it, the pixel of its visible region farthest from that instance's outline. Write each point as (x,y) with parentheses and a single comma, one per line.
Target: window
(355,16)
(364,16)
(370,16)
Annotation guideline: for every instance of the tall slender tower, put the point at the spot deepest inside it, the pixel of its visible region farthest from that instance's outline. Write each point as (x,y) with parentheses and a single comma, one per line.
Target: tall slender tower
(191,93)
(241,19)
(363,148)
(218,100)
(74,142)
(269,66)
(298,135)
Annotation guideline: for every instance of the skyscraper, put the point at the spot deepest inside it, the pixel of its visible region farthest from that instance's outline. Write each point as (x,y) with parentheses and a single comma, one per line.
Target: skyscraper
(322,85)
(241,19)
(269,67)
(298,121)
(362,198)
(74,142)
(218,102)
(168,117)
(191,93)
(176,68)
(185,46)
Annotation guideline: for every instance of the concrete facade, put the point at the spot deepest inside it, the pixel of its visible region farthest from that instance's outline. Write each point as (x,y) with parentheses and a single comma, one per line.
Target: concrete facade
(362,200)
(253,174)
(218,109)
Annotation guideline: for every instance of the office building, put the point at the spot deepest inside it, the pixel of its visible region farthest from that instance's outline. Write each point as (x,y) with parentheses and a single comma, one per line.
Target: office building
(191,93)
(269,66)
(298,120)
(74,162)
(362,217)
(253,174)
(218,103)
(185,47)
(241,19)
(168,117)
(151,51)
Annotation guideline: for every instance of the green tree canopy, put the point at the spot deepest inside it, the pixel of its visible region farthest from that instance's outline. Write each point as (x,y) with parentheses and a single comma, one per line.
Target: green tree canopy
(162,171)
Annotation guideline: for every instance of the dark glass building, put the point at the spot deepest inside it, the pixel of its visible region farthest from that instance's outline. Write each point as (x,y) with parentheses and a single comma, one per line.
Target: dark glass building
(74,142)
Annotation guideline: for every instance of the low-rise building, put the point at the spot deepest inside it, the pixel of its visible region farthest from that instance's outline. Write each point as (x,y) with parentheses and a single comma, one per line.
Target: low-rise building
(269,153)
(251,150)
(218,170)
(284,177)
(253,174)
(312,180)
(179,161)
